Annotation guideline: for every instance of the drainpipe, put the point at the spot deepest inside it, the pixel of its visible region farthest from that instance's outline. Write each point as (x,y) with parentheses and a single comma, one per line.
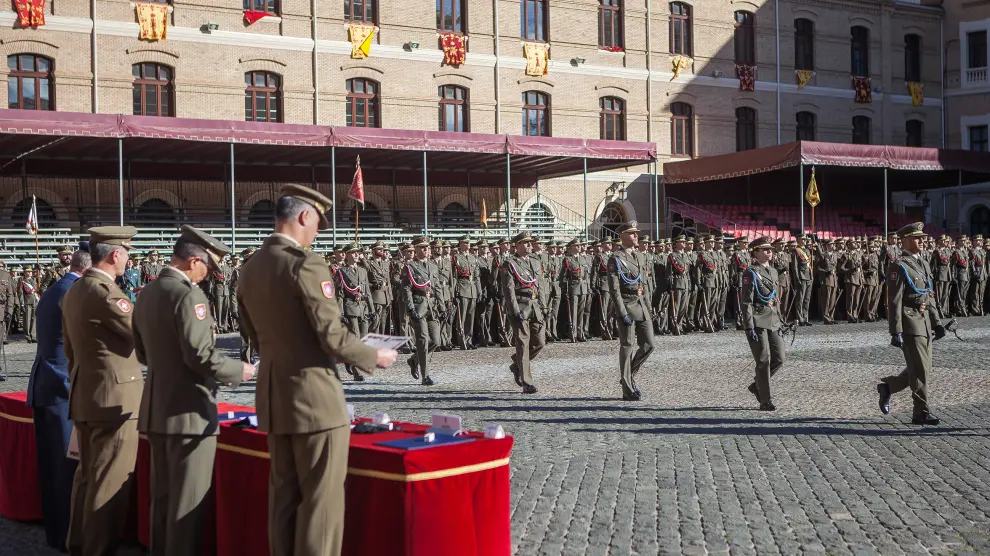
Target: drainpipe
(945,54)
(316,71)
(498,99)
(92,47)
(776,26)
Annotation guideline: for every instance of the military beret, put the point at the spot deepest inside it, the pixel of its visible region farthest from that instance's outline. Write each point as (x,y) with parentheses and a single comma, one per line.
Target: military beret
(628,228)
(113,235)
(916,229)
(213,246)
(760,243)
(312,197)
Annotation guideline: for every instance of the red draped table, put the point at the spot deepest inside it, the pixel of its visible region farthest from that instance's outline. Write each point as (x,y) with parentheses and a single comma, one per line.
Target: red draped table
(20,492)
(450,499)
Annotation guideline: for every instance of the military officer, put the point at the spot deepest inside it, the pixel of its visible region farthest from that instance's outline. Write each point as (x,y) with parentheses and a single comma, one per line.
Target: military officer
(575,288)
(586,258)
(151,267)
(738,263)
(105,386)
(960,276)
(800,271)
(173,336)
(678,265)
(445,292)
(419,281)
(941,263)
(871,281)
(248,351)
(852,270)
(707,268)
(397,269)
(521,283)
(288,308)
(782,263)
(913,323)
(381,292)
(977,276)
(356,306)
(466,290)
(64,254)
(27,291)
(826,262)
(761,318)
(627,270)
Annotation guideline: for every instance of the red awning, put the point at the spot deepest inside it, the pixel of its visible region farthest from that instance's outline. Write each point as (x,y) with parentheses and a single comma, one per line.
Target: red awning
(768,159)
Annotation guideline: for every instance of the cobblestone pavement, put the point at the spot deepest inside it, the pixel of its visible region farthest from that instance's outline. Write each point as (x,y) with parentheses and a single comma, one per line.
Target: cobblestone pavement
(694,468)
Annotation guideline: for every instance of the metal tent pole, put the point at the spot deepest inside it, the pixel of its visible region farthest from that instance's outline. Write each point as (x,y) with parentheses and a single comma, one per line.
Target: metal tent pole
(508,194)
(233,203)
(585,178)
(333,191)
(120,177)
(426,205)
(801,194)
(885,204)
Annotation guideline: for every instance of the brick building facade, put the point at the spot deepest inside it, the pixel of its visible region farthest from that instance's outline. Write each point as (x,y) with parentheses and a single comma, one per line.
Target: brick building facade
(611,71)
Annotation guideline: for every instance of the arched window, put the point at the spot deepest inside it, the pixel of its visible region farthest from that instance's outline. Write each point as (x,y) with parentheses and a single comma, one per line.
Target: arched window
(745,38)
(912,58)
(153,89)
(680,29)
(456,213)
(804,44)
(613,216)
(361,11)
(267,6)
(613,118)
(362,103)
(860,49)
(539,214)
(681,129)
(536,114)
(979,221)
(155,210)
(806,124)
(451,16)
(46,214)
(453,108)
(915,130)
(533,20)
(262,97)
(745,129)
(29,84)
(262,213)
(861,130)
(610,24)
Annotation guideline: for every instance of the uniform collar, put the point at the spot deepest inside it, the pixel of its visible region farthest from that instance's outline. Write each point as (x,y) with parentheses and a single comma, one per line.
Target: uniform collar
(286,239)
(100,274)
(176,273)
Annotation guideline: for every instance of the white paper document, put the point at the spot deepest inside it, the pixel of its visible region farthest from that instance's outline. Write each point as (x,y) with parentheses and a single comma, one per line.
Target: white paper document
(381,341)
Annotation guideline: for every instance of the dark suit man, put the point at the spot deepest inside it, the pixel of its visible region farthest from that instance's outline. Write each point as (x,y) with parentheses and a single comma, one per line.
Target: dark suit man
(48,396)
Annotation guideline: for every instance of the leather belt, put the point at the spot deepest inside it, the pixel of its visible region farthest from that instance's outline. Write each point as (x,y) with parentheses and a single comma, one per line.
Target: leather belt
(525,294)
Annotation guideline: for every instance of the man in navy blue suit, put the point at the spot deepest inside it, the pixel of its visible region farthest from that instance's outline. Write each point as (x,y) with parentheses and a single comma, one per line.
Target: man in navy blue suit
(48,396)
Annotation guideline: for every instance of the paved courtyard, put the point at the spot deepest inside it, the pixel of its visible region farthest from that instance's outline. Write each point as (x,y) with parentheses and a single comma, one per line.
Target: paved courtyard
(695,468)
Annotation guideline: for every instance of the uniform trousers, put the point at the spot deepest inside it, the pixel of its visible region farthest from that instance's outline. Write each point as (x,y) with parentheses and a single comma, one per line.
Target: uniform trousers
(483,321)
(529,338)
(575,305)
(768,351)
(553,308)
(959,293)
(693,300)
(679,303)
(723,297)
(382,319)
(827,299)
(52,430)
(101,488)
(586,317)
(635,346)
(465,315)
(181,476)
(706,296)
(306,492)
(785,292)
(942,291)
(976,292)
(223,312)
(802,300)
(427,334)
(447,322)
(359,327)
(28,312)
(918,358)
(854,299)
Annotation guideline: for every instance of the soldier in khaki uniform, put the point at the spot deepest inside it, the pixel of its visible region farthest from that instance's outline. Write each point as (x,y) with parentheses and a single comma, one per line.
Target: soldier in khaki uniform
(28,295)
(353,288)
(678,267)
(173,336)
(761,318)
(420,283)
(60,270)
(826,262)
(520,290)
(627,273)
(852,270)
(914,325)
(150,267)
(575,289)
(247,350)
(801,274)
(978,276)
(941,264)
(105,386)
(467,287)
(288,306)
(381,290)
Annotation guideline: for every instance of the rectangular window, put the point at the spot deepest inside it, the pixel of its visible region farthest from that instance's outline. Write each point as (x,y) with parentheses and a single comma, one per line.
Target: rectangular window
(860,52)
(804,44)
(450,16)
(269,6)
(912,58)
(745,39)
(361,11)
(915,130)
(979,140)
(610,24)
(861,130)
(680,29)
(976,49)
(533,20)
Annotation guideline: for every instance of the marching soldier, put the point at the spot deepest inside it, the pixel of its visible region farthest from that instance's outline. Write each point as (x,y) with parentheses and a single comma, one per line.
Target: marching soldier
(914,324)
(521,285)
(599,286)
(977,276)
(356,307)
(105,386)
(960,276)
(248,351)
(381,292)
(627,270)
(466,290)
(678,268)
(575,289)
(400,315)
(28,300)
(151,267)
(761,317)
(942,267)
(171,321)
(826,262)
(801,274)
(287,305)
(419,282)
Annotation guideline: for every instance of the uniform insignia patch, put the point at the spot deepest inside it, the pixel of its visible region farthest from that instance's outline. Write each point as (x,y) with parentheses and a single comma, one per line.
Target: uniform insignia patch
(200,311)
(124,305)
(747,279)
(893,275)
(327,288)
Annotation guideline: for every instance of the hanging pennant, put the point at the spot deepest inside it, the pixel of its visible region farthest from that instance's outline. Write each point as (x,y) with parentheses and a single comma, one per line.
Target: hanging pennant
(361,36)
(253,16)
(864,90)
(803,77)
(747,78)
(680,63)
(917,91)
(30,13)
(454,49)
(153,19)
(537,58)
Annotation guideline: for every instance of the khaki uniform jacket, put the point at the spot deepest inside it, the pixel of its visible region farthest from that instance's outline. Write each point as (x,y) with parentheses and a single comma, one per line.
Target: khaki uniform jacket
(978,265)
(825,266)
(801,265)
(572,275)
(353,291)
(521,286)
(149,271)
(960,265)
(941,264)
(910,304)
(445,286)
(599,273)
(173,336)
(760,301)
(707,267)
(421,298)
(27,292)
(289,310)
(105,382)
(378,278)
(782,264)
(468,279)
(871,268)
(852,267)
(738,263)
(678,267)
(626,279)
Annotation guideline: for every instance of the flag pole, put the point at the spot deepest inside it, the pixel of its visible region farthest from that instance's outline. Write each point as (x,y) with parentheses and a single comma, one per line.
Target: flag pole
(357,222)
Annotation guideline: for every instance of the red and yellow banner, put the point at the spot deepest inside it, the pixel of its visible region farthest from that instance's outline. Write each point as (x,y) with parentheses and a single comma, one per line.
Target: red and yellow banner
(803,77)
(864,89)
(537,58)
(747,78)
(361,36)
(917,91)
(30,13)
(153,19)
(454,49)
(678,64)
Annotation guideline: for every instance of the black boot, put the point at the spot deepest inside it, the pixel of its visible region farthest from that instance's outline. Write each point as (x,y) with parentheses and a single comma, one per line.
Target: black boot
(884,390)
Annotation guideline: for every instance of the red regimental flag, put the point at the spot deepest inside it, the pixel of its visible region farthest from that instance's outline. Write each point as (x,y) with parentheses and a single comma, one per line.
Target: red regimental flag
(357,185)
